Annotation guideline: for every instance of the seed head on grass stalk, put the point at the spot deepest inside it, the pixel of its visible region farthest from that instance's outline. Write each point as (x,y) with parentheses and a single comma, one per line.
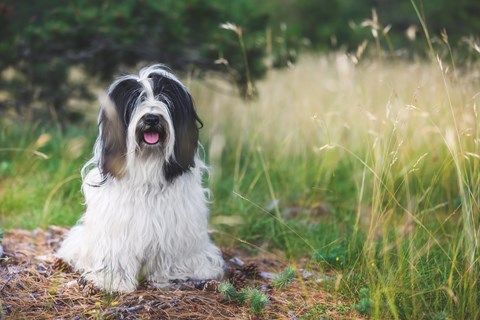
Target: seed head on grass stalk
(374,26)
(250,92)
(377,29)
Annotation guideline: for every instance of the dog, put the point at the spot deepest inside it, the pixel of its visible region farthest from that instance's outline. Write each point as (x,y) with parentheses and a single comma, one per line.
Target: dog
(146,211)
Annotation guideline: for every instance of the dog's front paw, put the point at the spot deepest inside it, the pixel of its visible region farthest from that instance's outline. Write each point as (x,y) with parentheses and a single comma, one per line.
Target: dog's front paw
(159,283)
(209,272)
(111,282)
(207,266)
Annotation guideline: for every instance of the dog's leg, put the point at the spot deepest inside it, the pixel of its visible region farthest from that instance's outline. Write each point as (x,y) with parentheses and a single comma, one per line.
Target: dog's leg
(118,275)
(206,265)
(158,273)
(113,269)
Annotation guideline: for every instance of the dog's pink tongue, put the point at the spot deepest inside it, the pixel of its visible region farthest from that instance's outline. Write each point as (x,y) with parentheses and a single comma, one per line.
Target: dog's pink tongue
(151,137)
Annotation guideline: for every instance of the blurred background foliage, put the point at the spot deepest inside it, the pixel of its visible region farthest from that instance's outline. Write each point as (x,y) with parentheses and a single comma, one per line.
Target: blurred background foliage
(41,41)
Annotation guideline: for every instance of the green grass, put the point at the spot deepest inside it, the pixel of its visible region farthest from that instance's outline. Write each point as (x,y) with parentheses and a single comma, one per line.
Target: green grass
(370,170)
(40,178)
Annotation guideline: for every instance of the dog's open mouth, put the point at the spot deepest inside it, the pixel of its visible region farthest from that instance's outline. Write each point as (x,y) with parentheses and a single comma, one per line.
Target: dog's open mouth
(151,130)
(151,137)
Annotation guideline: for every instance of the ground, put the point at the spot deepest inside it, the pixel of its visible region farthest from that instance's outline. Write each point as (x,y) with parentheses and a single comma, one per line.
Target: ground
(36,285)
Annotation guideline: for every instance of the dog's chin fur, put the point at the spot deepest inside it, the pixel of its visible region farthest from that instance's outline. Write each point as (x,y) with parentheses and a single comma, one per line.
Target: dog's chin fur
(146,210)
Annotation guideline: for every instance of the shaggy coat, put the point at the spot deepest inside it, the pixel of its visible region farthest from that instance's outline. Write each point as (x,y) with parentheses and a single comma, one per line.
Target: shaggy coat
(146,210)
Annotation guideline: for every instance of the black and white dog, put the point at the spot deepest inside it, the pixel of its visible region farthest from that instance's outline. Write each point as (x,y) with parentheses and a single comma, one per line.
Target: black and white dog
(146,210)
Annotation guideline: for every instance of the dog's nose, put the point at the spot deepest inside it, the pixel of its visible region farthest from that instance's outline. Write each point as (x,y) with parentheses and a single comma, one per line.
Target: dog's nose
(151,119)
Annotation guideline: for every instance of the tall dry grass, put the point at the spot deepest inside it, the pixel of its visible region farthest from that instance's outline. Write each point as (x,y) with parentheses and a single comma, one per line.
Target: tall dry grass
(330,100)
(394,148)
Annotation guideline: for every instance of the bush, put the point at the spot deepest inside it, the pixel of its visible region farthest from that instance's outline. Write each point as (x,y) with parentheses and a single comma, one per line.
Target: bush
(44,39)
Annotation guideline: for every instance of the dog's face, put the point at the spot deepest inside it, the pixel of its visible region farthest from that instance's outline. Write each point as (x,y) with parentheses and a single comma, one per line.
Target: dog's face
(150,118)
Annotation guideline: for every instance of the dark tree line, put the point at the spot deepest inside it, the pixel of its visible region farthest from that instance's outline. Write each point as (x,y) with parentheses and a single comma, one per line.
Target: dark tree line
(41,40)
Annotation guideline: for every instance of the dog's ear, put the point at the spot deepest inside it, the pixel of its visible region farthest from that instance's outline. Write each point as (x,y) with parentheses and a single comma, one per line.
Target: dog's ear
(185,122)
(113,137)
(117,109)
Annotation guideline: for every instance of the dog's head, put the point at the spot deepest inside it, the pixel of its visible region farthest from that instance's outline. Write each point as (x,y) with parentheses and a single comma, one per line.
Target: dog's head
(151,118)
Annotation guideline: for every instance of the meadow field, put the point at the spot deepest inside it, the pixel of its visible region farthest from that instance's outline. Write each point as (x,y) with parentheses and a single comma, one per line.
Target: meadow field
(367,171)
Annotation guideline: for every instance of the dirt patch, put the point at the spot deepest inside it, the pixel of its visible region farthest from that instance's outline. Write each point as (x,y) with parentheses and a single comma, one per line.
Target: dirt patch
(36,285)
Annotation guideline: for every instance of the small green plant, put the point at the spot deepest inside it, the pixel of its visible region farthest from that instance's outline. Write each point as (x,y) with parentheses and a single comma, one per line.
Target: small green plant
(365,304)
(253,297)
(284,278)
(227,291)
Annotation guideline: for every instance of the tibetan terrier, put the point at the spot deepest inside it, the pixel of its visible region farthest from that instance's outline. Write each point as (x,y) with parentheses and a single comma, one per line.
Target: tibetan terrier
(146,210)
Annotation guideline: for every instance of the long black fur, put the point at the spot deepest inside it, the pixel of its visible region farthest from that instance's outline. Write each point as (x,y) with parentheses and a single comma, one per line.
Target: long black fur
(185,122)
